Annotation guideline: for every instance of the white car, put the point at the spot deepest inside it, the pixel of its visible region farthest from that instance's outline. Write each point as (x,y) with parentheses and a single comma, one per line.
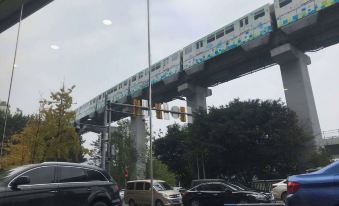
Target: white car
(279,190)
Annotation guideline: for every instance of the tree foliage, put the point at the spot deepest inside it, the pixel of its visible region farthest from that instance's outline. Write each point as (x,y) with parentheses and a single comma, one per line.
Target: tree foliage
(48,136)
(124,155)
(15,123)
(248,139)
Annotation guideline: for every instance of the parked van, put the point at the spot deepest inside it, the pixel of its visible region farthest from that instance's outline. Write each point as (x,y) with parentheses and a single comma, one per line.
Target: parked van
(138,192)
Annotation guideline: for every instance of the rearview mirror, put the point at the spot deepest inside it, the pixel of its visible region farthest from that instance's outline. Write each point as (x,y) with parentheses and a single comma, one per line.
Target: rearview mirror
(22,180)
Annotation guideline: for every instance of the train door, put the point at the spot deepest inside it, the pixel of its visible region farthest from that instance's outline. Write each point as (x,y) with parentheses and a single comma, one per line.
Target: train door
(245,29)
(261,21)
(231,35)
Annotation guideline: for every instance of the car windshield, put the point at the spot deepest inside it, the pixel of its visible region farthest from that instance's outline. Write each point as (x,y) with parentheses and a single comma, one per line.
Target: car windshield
(4,174)
(162,186)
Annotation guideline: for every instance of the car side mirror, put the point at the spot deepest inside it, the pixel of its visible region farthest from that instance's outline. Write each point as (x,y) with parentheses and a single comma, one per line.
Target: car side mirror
(22,180)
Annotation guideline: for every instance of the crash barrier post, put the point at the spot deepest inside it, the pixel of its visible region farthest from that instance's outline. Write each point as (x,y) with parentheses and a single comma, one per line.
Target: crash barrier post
(264,185)
(256,204)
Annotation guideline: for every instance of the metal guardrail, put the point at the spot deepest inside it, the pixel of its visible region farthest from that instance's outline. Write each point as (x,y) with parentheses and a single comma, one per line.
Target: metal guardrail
(330,134)
(256,204)
(264,185)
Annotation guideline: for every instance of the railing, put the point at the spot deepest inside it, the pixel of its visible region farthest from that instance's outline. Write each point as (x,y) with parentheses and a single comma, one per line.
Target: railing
(331,134)
(264,185)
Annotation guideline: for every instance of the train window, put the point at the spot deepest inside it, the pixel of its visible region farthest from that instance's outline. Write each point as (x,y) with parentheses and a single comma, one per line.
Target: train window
(219,34)
(199,44)
(175,57)
(259,14)
(157,66)
(210,38)
(166,61)
(243,22)
(134,78)
(188,49)
(283,3)
(141,75)
(229,29)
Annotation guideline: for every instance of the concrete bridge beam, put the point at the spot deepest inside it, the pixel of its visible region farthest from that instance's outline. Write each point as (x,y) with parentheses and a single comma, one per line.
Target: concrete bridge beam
(196,96)
(298,89)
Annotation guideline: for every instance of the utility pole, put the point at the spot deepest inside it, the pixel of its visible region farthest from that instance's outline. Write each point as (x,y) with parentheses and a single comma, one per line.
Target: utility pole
(150,100)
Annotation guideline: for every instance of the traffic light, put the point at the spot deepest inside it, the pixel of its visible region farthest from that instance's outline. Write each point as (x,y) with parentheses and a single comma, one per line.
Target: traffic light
(136,108)
(158,110)
(183,114)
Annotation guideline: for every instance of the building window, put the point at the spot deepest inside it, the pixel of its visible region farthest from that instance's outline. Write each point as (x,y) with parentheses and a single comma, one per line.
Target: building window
(141,75)
(259,14)
(134,78)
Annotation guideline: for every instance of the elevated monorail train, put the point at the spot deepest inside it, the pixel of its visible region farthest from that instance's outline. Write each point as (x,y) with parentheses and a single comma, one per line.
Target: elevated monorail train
(252,26)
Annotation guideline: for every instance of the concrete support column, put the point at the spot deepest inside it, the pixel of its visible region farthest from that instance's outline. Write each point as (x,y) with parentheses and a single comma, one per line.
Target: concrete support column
(138,131)
(196,96)
(298,90)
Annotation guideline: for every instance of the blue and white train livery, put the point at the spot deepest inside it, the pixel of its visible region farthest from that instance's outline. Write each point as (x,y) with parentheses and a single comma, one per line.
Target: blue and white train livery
(254,25)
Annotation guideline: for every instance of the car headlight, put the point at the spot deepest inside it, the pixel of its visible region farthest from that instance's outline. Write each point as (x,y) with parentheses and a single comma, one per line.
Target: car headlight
(258,197)
(165,195)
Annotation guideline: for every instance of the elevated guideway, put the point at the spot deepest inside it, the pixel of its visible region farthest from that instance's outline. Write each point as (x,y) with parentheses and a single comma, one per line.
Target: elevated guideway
(311,34)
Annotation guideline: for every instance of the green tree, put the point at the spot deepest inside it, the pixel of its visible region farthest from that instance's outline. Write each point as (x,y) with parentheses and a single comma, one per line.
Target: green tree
(161,172)
(48,136)
(62,141)
(124,155)
(246,139)
(15,123)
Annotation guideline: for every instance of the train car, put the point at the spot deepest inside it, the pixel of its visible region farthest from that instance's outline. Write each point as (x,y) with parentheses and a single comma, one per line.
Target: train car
(159,71)
(290,11)
(254,25)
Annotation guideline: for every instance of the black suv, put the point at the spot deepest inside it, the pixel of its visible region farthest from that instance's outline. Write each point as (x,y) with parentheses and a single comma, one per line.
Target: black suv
(58,183)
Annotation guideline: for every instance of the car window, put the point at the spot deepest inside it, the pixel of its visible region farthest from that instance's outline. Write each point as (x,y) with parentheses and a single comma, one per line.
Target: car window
(41,175)
(212,187)
(95,176)
(139,186)
(161,186)
(72,174)
(130,186)
(147,186)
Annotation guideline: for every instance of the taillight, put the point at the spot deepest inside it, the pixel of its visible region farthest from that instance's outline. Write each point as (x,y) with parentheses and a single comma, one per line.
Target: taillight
(293,187)
(184,194)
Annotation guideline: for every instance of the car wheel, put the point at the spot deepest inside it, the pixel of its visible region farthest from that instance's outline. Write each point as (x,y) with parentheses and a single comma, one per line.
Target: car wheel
(99,204)
(159,203)
(195,203)
(131,203)
(284,196)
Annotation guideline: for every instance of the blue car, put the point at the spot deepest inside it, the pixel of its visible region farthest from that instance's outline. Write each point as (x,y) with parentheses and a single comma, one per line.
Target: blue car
(320,188)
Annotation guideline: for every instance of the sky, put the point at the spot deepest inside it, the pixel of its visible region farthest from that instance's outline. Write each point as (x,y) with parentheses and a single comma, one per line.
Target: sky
(96,57)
